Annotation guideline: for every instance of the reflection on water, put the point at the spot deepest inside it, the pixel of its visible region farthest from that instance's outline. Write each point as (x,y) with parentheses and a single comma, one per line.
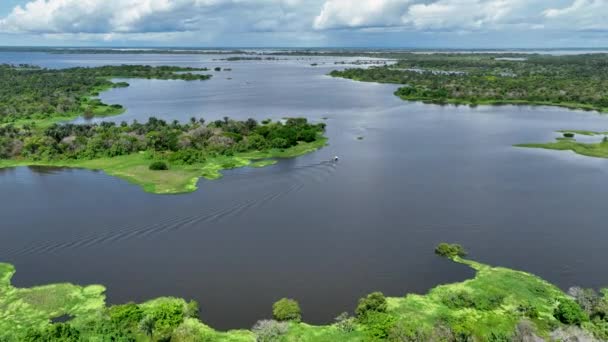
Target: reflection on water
(323,233)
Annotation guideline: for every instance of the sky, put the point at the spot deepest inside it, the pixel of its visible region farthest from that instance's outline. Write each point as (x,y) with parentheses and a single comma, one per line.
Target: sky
(306,23)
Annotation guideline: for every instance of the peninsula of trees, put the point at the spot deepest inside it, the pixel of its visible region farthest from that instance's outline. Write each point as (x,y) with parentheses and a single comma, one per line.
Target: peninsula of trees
(33,94)
(578,82)
(162,157)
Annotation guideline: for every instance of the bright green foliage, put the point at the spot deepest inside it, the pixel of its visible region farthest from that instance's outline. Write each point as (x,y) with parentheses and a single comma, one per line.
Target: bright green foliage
(499,304)
(569,312)
(450,250)
(373,302)
(579,81)
(286,310)
(59,332)
(599,149)
(378,325)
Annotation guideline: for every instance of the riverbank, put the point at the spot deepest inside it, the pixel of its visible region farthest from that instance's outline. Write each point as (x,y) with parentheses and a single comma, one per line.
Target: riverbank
(179,178)
(491,306)
(574,82)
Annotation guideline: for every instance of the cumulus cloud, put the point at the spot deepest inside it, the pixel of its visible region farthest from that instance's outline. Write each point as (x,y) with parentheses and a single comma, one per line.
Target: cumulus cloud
(362,13)
(581,15)
(163,20)
(466,15)
(462,14)
(139,16)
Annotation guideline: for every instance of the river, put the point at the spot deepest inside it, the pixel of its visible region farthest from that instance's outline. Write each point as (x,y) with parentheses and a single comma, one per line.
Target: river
(323,233)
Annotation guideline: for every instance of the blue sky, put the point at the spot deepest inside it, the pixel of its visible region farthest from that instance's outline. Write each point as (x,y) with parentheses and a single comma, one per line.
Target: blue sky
(287,23)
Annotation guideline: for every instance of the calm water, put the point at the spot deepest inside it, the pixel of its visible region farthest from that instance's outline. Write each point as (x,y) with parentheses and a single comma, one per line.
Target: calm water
(320,232)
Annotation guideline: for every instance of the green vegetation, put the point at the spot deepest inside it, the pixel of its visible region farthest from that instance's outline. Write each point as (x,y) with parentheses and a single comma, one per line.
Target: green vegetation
(498,304)
(568,143)
(451,251)
(183,152)
(158,166)
(579,81)
(287,310)
(32,95)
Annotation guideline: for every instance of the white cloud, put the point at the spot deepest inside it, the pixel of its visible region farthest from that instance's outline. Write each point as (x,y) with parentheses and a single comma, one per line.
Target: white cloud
(580,15)
(139,16)
(361,13)
(293,20)
(461,14)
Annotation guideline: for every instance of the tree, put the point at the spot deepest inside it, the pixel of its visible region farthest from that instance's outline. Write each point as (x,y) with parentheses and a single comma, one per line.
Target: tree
(147,326)
(450,250)
(286,310)
(373,302)
(569,312)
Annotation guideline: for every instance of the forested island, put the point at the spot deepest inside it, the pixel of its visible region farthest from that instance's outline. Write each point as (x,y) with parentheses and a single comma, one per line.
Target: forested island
(578,82)
(498,304)
(162,157)
(30,94)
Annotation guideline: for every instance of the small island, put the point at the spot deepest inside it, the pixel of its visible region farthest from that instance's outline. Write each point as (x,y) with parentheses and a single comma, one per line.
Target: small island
(498,304)
(567,142)
(162,157)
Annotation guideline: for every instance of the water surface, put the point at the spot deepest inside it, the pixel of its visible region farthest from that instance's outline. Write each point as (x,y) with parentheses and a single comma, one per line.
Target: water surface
(323,233)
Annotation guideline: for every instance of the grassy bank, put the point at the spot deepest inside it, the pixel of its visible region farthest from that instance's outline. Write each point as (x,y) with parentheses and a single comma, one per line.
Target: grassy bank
(134,168)
(598,150)
(487,307)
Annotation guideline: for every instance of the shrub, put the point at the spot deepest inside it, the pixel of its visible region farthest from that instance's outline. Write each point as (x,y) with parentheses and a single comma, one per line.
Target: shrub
(345,323)
(568,135)
(568,312)
(450,250)
(408,331)
(373,302)
(125,315)
(159,166)
(54,332)
(528,310)
(269,330)
(187,156)
(458,300)
(286,310)
(191,309)
(378,325)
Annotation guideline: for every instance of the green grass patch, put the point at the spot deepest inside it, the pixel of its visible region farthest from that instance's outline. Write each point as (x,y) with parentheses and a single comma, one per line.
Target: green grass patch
(598,150)
(22,309)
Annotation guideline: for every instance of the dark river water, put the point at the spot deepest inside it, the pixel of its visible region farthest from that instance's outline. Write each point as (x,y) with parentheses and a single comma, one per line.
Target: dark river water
(322,233)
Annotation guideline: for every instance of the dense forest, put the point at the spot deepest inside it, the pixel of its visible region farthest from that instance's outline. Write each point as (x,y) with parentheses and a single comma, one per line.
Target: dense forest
(187,143)
(31,92)
(579,81)
(497,305)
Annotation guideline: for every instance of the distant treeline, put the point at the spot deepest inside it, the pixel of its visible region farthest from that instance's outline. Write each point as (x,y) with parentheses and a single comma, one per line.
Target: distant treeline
(31,92)
(579,81)
(186,143)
